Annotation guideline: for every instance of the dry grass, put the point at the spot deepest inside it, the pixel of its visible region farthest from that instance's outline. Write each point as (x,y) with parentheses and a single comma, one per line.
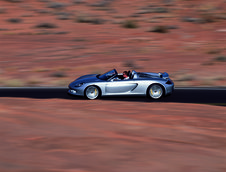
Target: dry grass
(14,83)
(207,82)
(186,77)
(60,82)
(41,69)
(33,82)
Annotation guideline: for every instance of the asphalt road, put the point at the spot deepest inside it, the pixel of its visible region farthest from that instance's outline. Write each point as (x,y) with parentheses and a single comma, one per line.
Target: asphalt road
(209,95)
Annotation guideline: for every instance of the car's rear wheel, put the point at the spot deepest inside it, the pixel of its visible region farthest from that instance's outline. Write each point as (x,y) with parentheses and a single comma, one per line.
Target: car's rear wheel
(155,91)
(92,92)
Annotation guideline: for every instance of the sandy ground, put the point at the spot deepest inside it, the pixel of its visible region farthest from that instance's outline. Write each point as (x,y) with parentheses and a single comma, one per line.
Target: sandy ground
(90,136)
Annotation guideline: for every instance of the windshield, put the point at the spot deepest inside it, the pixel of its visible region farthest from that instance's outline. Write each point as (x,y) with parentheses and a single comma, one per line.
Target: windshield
(108,75)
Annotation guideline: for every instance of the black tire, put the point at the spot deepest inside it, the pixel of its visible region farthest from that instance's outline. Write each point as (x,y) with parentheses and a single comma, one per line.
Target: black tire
(155,91)
(92,92)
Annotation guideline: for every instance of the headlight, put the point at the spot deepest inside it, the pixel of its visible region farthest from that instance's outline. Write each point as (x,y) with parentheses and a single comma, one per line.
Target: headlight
(78,85)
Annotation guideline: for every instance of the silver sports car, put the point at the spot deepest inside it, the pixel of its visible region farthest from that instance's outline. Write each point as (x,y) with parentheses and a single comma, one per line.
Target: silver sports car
(154,85)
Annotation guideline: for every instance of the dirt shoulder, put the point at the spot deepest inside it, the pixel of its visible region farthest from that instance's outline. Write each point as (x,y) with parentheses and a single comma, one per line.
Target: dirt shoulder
(80,135)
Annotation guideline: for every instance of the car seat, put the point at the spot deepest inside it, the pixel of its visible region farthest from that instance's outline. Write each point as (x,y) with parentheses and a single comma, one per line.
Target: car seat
(129,74)
(134,74)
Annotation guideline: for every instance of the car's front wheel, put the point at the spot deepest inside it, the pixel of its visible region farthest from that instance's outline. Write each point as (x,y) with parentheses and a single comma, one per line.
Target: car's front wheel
(155,91)
(92,92)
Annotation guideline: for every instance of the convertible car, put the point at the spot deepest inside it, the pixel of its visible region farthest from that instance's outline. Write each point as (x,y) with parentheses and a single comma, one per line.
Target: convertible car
(154,85)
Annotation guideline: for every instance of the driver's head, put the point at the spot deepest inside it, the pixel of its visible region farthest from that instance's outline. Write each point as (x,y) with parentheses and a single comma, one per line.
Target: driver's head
(125,74)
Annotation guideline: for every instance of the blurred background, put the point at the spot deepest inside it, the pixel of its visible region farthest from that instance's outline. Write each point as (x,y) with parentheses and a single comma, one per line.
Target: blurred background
(52,42)
(49,43)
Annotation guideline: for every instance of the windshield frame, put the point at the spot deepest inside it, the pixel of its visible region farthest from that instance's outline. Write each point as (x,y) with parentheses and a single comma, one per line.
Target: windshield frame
(108,75)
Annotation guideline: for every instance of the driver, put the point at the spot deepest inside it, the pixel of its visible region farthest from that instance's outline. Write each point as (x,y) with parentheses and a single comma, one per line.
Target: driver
(125,75)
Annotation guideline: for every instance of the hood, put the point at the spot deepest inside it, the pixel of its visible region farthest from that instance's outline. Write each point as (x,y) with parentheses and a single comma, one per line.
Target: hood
(86,76)
(84,79)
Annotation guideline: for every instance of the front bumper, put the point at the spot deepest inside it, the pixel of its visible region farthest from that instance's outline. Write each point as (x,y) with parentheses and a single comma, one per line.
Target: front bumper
(76,92)
(73,92)
(169,89)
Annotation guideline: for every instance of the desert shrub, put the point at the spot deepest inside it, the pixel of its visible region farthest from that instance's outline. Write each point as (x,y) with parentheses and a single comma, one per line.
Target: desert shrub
(159,10)
(213,51)
(118,22)
(61,32)
(208,63)
(43,0)
(146,10)
(14,20)
(143,11)
(205,18)
(172,27)
(131,24)
(208,18)
(43,32)
(86,18)
(102,3)
(129,63)
(27,15)
(14,0)
(3,29)
(169,2)
(192,19)
(58,74)
(107,9)
(220,58)
(97,21)
(79,39)
(220,16)
(63,15)
(119,16)
(46,25)
(135,15)
(83,18)
(56,5)
(78,1)
(159,29)
(2,10)
(43,11)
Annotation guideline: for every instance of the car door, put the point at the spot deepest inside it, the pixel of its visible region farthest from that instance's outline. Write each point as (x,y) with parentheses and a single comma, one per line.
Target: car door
(120,86)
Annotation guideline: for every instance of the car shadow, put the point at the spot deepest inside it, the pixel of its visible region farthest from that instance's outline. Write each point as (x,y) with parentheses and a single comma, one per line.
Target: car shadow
(204,96)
